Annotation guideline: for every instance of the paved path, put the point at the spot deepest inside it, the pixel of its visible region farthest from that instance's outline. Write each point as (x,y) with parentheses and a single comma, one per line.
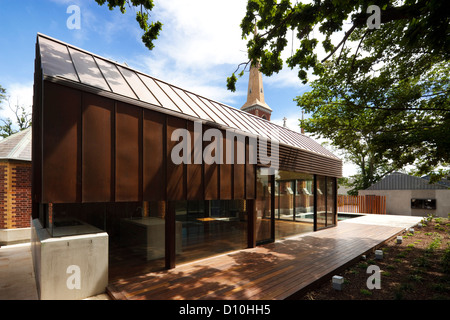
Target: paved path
(385,220)
(17,280)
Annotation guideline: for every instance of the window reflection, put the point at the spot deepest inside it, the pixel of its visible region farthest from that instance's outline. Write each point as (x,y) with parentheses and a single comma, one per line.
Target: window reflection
(321,202)
(210,227)
(294,203)
(326,212)
(136,232)
(330,201)
(263,207)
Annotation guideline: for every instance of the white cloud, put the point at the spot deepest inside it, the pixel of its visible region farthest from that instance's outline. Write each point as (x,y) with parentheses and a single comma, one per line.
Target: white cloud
(292,121)
(199,46)
(201,32)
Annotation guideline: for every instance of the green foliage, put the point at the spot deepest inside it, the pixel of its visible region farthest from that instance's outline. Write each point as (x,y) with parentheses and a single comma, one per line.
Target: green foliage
(6,129)
(415,278)
(445,260)
(152,30)
(386,100)
(231,83)
(435,244)
(423,24)
(365,292)
(378,122)
(2,94)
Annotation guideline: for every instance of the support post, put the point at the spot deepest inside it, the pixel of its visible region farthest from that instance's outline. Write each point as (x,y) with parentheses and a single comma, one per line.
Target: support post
(251,226)
(315,202)
(170,234)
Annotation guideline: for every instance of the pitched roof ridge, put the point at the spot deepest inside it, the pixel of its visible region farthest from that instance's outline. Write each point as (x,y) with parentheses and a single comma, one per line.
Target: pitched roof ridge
(262,123)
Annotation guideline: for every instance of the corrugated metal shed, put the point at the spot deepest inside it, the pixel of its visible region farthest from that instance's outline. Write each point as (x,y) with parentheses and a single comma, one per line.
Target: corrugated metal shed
(17,146)
(61,61)
(401,181)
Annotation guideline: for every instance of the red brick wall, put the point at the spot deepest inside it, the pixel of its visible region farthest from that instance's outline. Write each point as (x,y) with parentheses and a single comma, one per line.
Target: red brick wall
(21,196)
(3,194)
(15,194)
(260,113)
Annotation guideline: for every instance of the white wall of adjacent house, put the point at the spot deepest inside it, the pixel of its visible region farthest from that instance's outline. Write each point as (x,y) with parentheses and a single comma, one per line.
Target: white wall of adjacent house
(398,202)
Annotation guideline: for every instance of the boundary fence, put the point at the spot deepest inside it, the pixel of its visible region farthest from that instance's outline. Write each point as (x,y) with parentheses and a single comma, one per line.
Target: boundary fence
(362,204)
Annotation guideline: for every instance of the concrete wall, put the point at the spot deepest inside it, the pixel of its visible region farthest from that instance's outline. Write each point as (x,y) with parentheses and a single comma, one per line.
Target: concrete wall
(13,236)
(69,268)
(399,201)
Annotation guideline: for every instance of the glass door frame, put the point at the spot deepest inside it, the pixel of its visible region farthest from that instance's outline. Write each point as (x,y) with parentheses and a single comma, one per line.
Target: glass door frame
(326,225)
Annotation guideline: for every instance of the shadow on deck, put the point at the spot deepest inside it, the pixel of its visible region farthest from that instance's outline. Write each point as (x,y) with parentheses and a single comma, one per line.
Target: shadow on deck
(281,270)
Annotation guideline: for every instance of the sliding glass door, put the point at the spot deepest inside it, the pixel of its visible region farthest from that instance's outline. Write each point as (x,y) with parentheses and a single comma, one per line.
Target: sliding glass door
(326,210)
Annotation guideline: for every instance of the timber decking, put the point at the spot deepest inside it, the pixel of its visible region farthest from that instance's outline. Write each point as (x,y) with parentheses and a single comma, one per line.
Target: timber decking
(274,271)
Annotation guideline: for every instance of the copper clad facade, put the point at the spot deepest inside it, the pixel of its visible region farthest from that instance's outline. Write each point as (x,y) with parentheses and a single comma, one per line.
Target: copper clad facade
(102,133)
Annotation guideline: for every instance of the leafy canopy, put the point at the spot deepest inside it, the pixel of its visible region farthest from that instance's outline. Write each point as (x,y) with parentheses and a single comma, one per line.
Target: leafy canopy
(425,25)
(382,94)
(151,31)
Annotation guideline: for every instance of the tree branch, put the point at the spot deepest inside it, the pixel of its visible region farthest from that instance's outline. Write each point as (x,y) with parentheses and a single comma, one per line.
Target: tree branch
(347,34)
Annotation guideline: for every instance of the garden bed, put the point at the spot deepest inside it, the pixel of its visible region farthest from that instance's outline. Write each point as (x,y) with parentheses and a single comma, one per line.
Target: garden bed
(416,269)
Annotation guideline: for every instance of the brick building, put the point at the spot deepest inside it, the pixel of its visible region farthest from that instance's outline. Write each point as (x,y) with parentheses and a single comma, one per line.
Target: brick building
(15,187)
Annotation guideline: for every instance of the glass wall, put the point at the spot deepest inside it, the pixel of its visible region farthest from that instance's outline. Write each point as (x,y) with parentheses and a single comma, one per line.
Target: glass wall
(264,225)
(331,214)
(136,232)
(304,200)
(285,200)
(294,203)
(284,206)
(326,213)
(321,202)
(206,228)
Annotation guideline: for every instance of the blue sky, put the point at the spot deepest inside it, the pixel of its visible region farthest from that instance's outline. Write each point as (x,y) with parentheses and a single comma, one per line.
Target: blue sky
(199,47)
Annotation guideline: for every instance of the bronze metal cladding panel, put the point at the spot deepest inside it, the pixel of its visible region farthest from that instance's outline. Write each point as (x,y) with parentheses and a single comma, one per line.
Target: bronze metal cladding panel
(250,176)
(239,172)
(176,188)
(194,171)
(128,152)
(225,174)
(211,171)
(154,175)
(61,144)
(97,145)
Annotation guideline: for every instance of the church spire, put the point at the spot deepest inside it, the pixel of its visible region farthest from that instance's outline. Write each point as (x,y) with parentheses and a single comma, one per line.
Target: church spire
(255,95)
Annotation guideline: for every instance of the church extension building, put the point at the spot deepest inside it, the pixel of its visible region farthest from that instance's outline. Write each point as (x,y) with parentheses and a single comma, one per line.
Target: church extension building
(108,199)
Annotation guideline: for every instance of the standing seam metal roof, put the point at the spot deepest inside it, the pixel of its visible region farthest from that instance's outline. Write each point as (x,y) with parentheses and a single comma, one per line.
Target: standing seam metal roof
(17,146)
(401,181)
(63,61)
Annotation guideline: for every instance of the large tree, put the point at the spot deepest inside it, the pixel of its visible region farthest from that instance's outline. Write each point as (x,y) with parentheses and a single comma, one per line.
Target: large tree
(379,92)
(423,27)
(382,123)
